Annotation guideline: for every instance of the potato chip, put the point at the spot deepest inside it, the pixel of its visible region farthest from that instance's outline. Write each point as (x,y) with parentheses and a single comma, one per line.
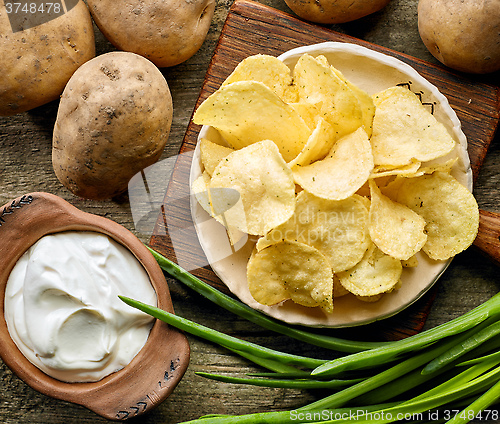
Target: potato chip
(344,171)
(211,154)
(404,130)
(338,229)
(269,70)
(318,145)
(264,278)
(450,211)
(301,270)
(376,273)
(410,262)
(365,102)
(308,112)
(405,170)
(205,196)
(265,184)
(338,289)
(246,112)
(394,228)
(431,167)
(318,84)
(200,190)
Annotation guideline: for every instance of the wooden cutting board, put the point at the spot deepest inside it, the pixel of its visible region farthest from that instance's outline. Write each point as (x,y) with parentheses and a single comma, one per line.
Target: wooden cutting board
(252,28)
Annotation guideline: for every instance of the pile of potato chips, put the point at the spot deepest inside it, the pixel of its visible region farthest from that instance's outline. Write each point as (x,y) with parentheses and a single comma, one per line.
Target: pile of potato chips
(340,189)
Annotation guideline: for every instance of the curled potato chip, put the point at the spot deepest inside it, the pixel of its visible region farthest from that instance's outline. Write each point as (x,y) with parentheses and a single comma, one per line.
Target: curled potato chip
(308,112)
(365,102)
(318,84)
(394,228)
(318,145)
(265,184)
(405,170)
(211,154)
(200,190)
(206,197)
(267,69)
(410,262)
(338,229)
(289,269)
(246,112)
(264,279)
(344,170)
(376,273)
(450,211)
(404,130)
(431,167)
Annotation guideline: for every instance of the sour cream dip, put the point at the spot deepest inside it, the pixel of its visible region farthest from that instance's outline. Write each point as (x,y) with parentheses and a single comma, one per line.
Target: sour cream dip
(62,308)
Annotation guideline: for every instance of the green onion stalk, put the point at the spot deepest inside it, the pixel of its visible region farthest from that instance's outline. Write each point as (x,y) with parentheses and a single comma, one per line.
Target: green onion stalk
(379,382)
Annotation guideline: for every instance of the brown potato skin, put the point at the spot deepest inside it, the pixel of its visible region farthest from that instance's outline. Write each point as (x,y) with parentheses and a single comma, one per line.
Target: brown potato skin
(113,121)
(462,34)
(36,63)
(167,32)
(334,12)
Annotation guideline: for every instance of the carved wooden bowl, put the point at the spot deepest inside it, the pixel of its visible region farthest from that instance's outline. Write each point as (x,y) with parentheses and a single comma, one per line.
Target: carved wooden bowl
(152,375)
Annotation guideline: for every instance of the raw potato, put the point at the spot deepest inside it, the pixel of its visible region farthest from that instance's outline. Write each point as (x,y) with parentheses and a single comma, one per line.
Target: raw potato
(334,12)
(167,32)
(113,121)
(462,34)
(39,58)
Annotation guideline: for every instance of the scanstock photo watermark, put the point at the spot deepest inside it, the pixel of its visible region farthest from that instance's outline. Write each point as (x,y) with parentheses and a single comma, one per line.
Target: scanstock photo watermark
(365,416)
(29,14)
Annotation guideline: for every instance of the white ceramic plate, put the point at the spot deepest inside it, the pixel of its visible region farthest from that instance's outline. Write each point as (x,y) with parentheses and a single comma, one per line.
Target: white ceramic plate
(373,72)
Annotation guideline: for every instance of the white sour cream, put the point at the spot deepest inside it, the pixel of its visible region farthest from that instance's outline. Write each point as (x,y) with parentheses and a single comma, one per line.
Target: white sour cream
(62,307)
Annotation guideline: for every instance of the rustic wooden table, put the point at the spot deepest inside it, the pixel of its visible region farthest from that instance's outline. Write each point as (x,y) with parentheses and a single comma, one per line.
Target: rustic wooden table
(25,166)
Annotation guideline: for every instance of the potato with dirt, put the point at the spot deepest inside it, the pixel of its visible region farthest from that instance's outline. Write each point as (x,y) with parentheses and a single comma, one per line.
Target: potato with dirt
(113,121)
(39,52)
(462,34)
(334,12)
(167,32)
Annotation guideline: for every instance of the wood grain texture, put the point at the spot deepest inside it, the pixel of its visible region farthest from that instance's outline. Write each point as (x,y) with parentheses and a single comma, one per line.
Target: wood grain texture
(273,32)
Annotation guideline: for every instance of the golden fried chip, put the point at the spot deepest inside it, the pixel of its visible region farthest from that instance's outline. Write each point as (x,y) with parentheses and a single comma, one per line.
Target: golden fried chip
(318,145)
(308,112)
(338,229)
(267,69)
(344,171)
(205,196)
(264,278)
(450,211)
(410,263)
(405,170)
(404,130)
(430,167)
(200,190)
(365,102)
(318,84)
(376,273)
(265,184)
(246,112)
(394,228)
(211,154)
(291,269)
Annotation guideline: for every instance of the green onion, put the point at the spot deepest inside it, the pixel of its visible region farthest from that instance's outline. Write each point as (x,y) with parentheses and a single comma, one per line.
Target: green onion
(244,311)
(283,383)
(220,338)
(375,370)
(369,358)
(479,337)
(267,363)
